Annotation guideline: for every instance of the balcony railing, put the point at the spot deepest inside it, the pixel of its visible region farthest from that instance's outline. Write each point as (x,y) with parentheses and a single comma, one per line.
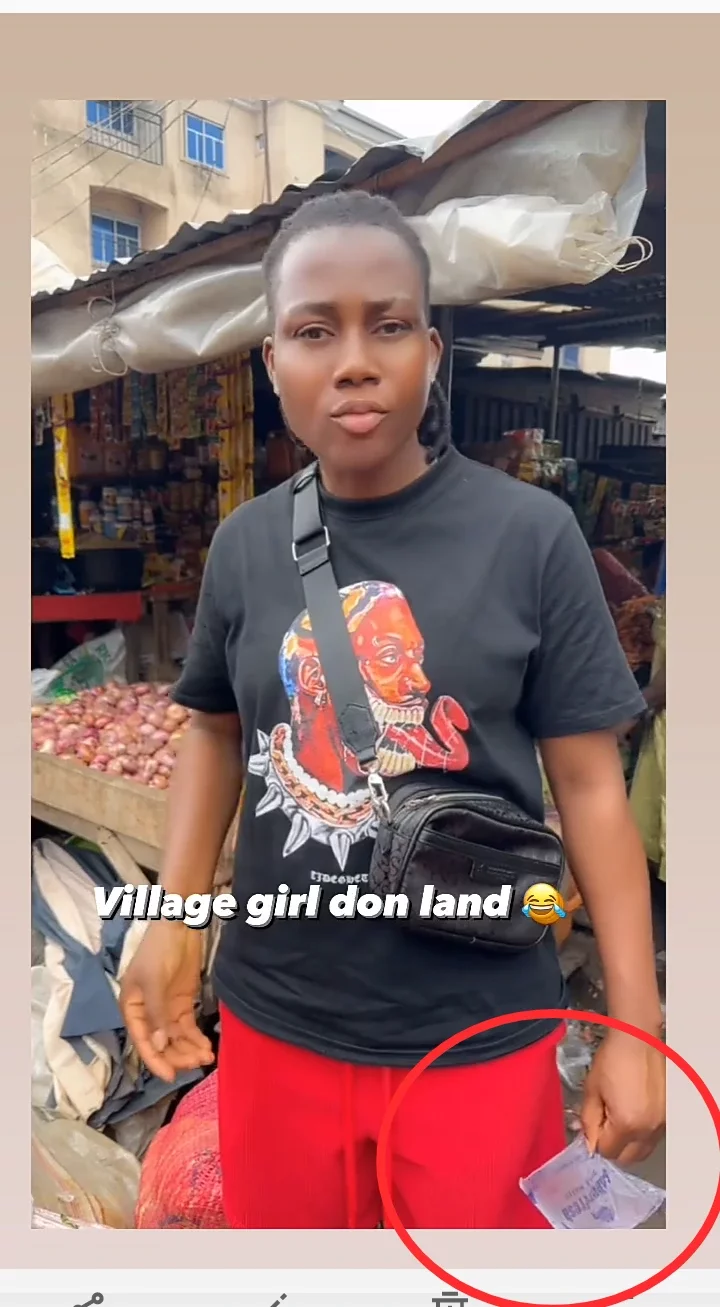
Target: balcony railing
(136,132)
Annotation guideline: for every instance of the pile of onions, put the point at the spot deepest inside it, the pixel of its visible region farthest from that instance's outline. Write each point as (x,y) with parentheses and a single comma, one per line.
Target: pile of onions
(133,731)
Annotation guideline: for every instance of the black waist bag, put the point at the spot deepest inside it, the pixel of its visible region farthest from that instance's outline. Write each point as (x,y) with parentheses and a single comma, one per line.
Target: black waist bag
(465,860)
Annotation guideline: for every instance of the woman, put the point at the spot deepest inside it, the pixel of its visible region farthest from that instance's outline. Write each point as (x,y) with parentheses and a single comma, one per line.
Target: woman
(481,628)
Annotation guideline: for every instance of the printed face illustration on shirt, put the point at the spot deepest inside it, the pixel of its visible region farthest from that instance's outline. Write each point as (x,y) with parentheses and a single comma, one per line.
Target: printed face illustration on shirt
(309,774)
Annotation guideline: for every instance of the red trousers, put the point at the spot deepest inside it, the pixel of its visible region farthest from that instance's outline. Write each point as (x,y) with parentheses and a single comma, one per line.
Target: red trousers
(298,1138)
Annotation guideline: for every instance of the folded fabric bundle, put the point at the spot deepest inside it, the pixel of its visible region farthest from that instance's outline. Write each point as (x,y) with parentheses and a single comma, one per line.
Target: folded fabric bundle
(97,1076)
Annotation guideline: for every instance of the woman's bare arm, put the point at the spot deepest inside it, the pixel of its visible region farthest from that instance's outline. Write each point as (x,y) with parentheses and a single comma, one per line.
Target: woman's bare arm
(202,800)
(606,854)
(623,1109)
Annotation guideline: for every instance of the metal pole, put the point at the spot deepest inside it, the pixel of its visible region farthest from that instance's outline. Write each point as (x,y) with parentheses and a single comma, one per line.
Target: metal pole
(554,392)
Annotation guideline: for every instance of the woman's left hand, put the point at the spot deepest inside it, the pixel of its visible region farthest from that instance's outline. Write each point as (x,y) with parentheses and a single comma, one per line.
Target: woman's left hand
(623,1109)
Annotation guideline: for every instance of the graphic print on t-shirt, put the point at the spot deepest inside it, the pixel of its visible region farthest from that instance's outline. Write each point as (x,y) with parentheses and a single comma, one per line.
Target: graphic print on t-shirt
(309,774)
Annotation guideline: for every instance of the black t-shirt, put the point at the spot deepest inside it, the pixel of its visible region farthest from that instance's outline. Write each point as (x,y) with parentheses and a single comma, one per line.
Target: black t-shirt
(484,629)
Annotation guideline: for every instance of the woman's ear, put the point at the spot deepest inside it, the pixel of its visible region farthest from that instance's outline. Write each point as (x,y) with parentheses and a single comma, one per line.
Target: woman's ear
(436,353)
(268,360)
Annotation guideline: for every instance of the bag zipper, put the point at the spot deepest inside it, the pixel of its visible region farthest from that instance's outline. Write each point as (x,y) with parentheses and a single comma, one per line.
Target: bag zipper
(493,857)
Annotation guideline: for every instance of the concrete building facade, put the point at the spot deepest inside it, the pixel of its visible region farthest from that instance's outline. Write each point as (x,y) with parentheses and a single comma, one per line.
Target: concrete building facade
(112,177)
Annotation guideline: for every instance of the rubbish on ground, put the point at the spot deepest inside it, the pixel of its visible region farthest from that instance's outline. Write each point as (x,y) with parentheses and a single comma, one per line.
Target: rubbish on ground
(580,1191)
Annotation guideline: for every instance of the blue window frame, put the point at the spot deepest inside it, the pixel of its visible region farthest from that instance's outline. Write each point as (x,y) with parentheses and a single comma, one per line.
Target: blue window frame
(111,116)
(113,239)
(204,143)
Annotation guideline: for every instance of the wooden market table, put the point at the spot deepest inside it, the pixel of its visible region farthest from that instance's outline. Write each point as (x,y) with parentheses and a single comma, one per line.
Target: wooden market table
(125,819)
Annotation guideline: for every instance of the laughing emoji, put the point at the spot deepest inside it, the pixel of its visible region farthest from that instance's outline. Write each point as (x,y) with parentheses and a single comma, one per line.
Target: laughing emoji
(543,904)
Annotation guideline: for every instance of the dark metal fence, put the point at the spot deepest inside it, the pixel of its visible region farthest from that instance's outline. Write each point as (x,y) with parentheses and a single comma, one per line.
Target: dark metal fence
(480,419)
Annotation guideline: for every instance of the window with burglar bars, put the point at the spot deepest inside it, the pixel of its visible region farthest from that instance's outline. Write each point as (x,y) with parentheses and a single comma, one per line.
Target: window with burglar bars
(204,143)
(113,115)
(126,126)
(113,239)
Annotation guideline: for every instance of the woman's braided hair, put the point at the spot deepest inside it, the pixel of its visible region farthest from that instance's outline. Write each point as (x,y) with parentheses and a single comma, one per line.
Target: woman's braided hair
(359,209)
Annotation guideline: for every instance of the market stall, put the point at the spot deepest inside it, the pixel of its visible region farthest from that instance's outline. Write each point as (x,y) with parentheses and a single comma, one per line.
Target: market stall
(619,499)
(142,470)
(130,482)
(620,504)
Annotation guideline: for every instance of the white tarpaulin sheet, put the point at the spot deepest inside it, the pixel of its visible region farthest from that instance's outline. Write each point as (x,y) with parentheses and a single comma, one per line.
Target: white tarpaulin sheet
(555,206)
(46,271)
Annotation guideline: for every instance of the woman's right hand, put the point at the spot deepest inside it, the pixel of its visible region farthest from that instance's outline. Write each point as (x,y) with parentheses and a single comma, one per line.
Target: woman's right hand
(158,993)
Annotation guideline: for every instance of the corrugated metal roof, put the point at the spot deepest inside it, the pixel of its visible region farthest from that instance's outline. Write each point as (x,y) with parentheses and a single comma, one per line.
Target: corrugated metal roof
(542,373)
(624,309)
(189,237)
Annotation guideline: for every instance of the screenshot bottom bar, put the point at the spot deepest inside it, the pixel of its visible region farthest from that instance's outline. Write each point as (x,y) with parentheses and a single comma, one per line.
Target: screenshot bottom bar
(91,1297)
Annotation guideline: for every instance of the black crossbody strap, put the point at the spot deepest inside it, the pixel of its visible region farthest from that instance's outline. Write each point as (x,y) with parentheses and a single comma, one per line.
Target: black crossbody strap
(311,552)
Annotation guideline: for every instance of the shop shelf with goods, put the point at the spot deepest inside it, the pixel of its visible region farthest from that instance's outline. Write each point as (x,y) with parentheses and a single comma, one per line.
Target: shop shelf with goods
(525,453)
(621,502)
(143,468)
(621,506)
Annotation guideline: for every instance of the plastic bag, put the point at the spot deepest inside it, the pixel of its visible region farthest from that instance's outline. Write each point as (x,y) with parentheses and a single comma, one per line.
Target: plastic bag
(574,1056)
(94,663)
(577,1191)
(80,1174)
(135,1133)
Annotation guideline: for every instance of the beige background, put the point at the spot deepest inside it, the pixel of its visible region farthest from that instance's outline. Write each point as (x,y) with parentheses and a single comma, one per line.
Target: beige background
(538,57)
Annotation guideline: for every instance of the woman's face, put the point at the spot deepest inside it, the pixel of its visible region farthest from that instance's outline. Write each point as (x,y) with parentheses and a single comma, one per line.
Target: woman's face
(352,356)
